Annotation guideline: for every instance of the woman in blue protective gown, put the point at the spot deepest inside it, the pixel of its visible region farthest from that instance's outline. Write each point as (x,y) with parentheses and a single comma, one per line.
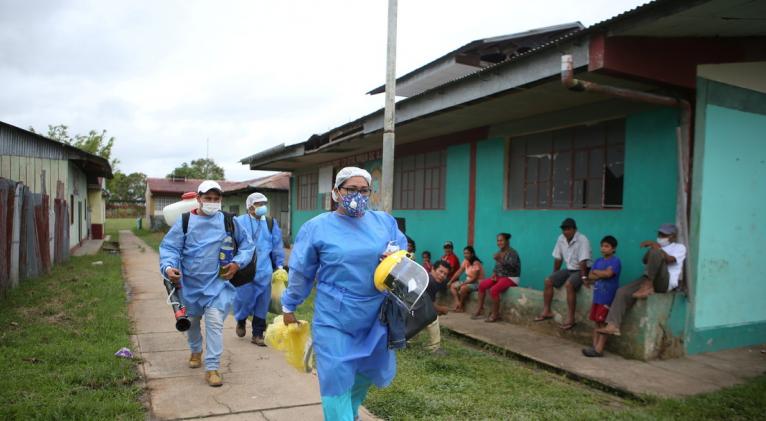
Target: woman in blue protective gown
(341,250)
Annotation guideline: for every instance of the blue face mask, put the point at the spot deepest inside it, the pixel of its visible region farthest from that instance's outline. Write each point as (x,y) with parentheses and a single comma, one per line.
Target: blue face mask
(355,204)
(261,210)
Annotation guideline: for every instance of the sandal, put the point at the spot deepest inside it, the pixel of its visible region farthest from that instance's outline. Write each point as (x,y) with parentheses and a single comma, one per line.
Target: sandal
(491,320)
(542,318)
(477,316)
(592,353)
(568,326)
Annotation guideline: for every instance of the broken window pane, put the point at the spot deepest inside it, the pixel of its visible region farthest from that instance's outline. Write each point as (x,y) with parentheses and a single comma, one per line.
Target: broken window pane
(580,167)
(614,176)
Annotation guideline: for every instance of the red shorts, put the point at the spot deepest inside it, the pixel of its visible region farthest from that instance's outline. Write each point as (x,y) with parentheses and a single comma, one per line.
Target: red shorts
(598,312)
(496,286)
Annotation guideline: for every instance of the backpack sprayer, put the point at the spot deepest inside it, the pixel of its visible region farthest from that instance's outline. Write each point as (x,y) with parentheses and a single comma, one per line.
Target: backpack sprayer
(179,309)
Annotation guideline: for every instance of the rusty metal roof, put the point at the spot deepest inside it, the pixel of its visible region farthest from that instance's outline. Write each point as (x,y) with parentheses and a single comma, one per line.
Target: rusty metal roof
(279,181)
(17,141)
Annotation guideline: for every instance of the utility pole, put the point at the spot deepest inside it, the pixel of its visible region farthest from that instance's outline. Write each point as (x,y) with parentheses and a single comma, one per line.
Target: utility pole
(387,183)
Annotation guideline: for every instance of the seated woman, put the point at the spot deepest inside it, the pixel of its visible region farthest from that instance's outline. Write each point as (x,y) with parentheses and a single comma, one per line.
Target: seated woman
(505,275)
(474,271)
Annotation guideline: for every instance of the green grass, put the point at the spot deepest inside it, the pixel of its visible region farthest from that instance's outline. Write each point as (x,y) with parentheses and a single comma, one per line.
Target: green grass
(114,225)
(152,238)
(477,384)
(58,336)
(471,383)
(743,402)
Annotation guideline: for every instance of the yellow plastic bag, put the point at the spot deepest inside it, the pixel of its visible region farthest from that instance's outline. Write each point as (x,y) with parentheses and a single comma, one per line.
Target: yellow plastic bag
(278,286)
(294,340)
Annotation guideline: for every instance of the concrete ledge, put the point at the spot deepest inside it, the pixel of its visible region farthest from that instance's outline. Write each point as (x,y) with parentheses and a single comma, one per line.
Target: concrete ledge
(678,377)
(645,332)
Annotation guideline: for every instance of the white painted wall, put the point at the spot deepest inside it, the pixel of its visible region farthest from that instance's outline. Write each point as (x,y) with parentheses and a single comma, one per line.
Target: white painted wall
(746,75)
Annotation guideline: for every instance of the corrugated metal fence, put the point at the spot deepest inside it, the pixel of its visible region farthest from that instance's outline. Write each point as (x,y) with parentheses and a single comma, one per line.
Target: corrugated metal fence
(32,236)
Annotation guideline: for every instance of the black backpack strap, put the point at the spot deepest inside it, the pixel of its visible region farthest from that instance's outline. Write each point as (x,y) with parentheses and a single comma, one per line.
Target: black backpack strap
(228,225)
(270,223)
(185,222)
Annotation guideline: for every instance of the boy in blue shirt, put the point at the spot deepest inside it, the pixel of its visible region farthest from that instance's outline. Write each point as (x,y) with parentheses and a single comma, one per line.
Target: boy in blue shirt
(606,275)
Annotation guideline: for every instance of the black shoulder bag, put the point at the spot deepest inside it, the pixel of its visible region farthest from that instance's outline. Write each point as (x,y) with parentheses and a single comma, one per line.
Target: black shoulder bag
(245,274)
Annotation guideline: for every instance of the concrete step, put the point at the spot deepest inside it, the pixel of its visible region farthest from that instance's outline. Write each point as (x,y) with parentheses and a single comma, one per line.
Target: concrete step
(678,377)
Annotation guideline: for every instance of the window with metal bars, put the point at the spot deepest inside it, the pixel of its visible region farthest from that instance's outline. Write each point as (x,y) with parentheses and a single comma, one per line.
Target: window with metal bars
(308,186)
(419,181)
(574,168)
(161,201)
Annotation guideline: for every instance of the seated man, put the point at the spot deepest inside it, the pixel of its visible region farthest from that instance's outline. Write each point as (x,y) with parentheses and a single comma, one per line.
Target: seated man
(573,249)
(662,268)
(437,281)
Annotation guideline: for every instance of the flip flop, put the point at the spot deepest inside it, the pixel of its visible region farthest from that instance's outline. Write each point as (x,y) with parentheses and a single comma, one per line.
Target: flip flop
(568,326)
(491,320)
(542,318)
(477,316)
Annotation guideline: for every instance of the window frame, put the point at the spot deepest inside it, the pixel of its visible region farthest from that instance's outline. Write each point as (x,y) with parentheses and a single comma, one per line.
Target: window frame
(604,146)
(405,195)
(307,190)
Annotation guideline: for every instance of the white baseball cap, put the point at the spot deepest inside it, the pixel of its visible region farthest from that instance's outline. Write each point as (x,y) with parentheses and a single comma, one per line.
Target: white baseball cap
(208,185)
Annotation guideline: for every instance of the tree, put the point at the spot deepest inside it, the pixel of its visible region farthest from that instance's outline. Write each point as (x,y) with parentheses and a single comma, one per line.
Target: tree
(94,142)
(127,187)
(202,168)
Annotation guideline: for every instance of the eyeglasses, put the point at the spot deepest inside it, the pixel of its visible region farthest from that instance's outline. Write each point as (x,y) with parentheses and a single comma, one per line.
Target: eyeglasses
(353,190)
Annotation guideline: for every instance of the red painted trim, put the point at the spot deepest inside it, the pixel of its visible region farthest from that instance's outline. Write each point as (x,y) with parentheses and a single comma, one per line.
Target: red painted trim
(97,231)
(472,194)
(596,52)
(671,61)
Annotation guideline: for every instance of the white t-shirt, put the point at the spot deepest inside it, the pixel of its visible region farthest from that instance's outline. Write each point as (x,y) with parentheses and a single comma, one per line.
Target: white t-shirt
(574,252)
(678,251)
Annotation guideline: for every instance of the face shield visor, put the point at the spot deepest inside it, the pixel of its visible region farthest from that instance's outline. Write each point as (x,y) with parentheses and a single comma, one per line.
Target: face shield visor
(402,277)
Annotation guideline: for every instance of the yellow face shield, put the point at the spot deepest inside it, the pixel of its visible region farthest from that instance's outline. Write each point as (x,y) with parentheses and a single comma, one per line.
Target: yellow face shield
(402,277)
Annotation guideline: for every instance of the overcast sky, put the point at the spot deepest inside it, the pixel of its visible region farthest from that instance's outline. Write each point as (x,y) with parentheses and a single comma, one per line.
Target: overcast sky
(164,76)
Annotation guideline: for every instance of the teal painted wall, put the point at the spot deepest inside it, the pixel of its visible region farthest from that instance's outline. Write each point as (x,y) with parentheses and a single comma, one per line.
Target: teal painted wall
(732,219)
(429,228)
(727,214)
(648,201)
(299,217)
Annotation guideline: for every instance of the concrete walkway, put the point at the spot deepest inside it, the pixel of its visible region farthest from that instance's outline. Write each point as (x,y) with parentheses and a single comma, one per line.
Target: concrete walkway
(667,378)
(88,248)
(258,383)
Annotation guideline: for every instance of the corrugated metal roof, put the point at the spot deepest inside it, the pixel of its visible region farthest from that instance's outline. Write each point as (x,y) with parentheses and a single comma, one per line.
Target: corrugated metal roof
(15,141)
(473,45)
(640,13)
(279,181)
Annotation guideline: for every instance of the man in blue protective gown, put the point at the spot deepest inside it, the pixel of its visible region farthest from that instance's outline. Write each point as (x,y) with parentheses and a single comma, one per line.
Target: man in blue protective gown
(253,298)
(191,262)
(341,250)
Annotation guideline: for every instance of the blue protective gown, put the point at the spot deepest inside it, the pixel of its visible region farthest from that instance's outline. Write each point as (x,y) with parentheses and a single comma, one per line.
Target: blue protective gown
(253,298)
(342,252)
(197,258)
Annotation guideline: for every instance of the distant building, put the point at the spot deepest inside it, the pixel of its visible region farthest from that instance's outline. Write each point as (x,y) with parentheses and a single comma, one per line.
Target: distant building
(508,142)
(58,171)
(161,192)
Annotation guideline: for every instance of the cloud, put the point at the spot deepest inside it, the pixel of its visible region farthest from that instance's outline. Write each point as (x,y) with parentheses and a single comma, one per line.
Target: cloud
(164,77)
